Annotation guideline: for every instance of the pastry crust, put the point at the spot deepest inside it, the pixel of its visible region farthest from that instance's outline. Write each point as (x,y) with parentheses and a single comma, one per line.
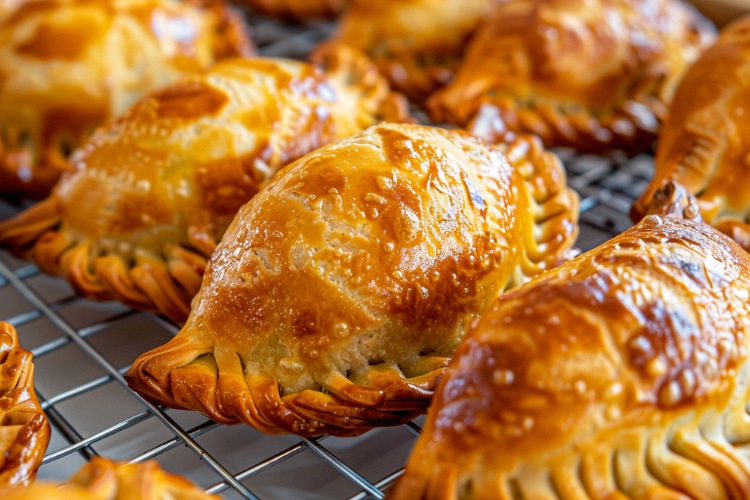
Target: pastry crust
(621,374)
(298,9)
(593,75)
(66,66)
(705,143)
(24,428)
(417,44)
(338,294)
(155,189)
(102,478)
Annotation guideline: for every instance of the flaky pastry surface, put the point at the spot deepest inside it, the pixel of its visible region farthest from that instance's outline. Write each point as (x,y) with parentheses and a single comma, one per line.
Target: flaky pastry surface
(66,66)
(24,428)
(155,188)
(104,479)
(594,75)
(338,294)
(621,374)
(417,44)
(704,145)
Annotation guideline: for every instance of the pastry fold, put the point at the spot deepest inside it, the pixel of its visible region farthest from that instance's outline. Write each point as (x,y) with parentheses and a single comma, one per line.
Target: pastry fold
(623,373)
(337,295)
(66,66)
(704,145)
(595,75)
(24,428)
(155,188)
(102,479)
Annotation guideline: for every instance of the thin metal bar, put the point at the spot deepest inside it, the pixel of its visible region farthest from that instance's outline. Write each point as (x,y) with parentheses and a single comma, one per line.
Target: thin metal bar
(174,442)
(94,354)
(340,466)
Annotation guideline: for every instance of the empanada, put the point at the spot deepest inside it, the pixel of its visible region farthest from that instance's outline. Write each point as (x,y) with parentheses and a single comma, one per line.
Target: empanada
(339,292)
(417,44)
(298,9)
(68,65)
(621,374)
(102,478)
(155,189)
(24,428)
(705,142)
(595,75)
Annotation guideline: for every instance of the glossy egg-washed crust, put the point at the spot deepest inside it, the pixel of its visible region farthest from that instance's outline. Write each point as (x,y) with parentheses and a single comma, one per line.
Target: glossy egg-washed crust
(704,144)
(622,374)
(103,479)
(298,9)
(24,429)
(66,66)
(417,44)
(339,293)
(593,75)
(155,188)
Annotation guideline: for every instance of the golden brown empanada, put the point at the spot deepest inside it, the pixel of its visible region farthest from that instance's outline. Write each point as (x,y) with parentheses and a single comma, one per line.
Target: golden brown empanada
(24,428)
(592,74)
(103,479)
(340,291)
(621,374)
(155,189)
(298,9)
(417,44)
(68,65)
(705,142)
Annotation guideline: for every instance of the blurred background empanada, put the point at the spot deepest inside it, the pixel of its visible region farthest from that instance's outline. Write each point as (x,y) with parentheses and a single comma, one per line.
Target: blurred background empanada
(338,294)
(704,145)
(596,75)
(68,65)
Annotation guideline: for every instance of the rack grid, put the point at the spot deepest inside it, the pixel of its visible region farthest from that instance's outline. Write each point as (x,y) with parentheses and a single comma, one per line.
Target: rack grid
(82,348)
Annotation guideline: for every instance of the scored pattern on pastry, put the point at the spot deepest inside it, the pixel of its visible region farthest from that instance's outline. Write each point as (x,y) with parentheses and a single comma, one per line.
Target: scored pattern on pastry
(339,292)
(298,9)
(417,44)
(102,478)
(66,66)
(705,143)
(24,428)
(155,189)
(623,373)
(593,75)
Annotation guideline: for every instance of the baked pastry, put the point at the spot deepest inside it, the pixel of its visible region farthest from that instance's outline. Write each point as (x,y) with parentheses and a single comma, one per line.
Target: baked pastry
(298,9)
(705,142)
(24,428)
(621,374)
(338,294)
(102,478)
(595,75)
(155,188)
(68,65)
(417,44)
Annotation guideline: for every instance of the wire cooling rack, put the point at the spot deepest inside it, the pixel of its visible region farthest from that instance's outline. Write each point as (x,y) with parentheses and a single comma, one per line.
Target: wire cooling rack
(82,348)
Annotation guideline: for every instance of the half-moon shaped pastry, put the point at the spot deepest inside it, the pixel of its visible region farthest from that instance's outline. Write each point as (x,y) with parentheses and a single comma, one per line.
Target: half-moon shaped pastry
(298,9)
(593,75)
(102,478)
(338,294)
(417,44)
(621,374)
(705,142)
(155,189)
(67,65)
(24,428)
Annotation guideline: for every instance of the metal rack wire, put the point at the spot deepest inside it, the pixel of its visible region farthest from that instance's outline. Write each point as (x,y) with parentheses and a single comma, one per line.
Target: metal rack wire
(82,348)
